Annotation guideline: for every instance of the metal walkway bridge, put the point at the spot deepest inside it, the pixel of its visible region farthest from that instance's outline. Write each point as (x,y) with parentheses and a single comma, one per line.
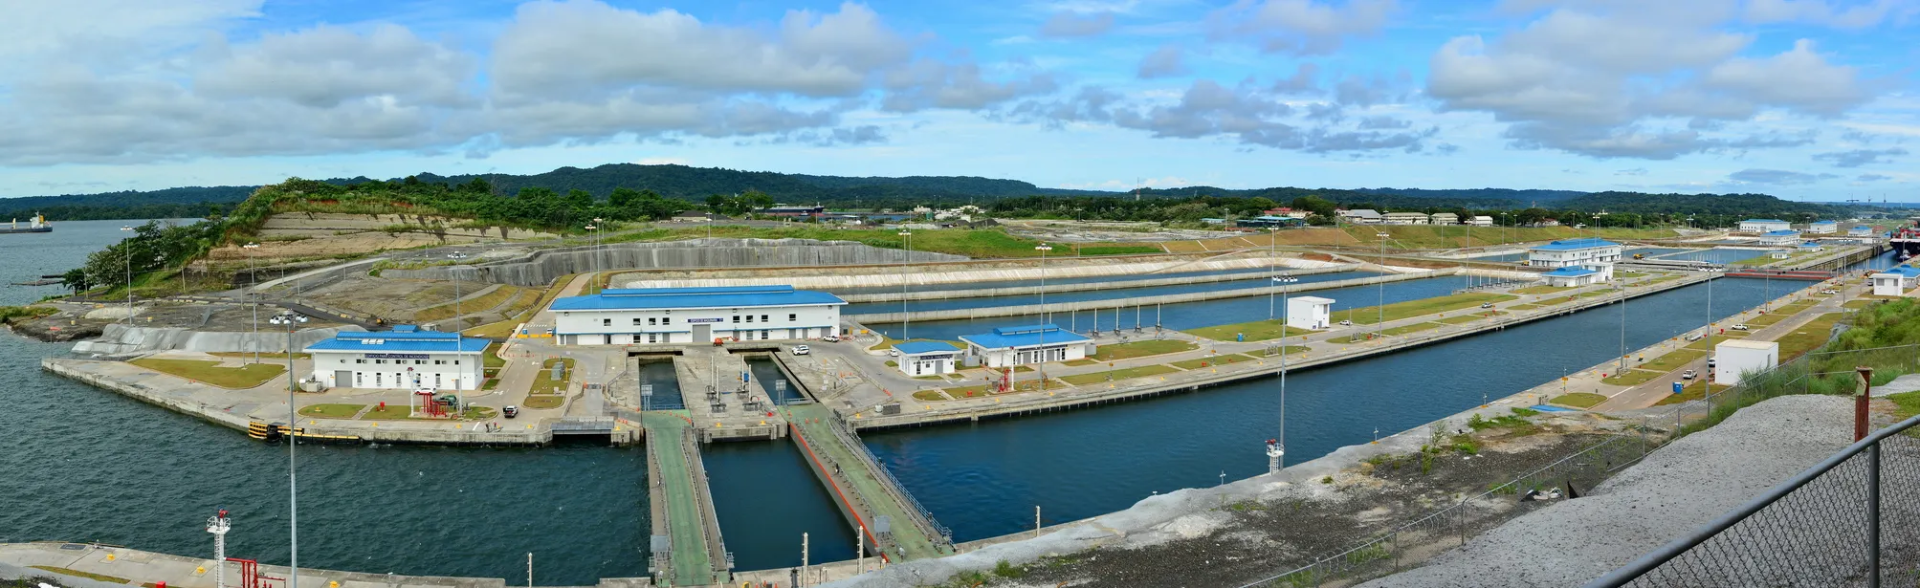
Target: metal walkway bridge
(894,525)
(686,549)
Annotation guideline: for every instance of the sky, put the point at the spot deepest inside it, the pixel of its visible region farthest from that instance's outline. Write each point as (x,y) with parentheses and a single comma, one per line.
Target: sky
(1803,99)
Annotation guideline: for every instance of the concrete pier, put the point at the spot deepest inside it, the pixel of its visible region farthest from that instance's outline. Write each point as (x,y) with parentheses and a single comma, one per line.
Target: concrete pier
(1086,286)
(720,403)
(686,549)
(894,525)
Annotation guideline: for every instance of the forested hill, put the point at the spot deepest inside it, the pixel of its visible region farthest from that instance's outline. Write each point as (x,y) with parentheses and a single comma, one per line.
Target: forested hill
(188,202)
(694,184)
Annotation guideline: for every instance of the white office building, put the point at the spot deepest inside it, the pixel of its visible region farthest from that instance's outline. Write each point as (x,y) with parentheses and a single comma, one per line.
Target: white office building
(1762,225)
(1733,357)
(1405,218)
(681,316)
(1896,281)
(405,358)
(1860,231)
(1571,277)
(1011,346)
(1481,221)
(1780,239)
(1823,228)
(1597,255)
(926,358)
(1309,312)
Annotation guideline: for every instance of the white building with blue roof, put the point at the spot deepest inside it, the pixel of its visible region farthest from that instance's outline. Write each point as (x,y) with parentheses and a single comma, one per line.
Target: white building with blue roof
(1825,227)
(1860,231)
(1595,255)
(682,316)
(1782,238)
(926,358)
(1896,281)
(405,358)
(1762,225)
(1010,346)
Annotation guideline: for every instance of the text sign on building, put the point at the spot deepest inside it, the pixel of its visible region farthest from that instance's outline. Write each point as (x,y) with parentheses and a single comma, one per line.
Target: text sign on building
(703,320)
(397,356)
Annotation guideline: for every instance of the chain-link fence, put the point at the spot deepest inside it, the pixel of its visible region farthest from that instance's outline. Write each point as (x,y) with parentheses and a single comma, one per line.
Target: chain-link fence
(1852,520)
(1411,542)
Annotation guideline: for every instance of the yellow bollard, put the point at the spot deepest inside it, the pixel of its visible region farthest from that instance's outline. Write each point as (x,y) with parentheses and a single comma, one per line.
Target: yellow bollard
(199,570)
(376,424)
(109,557)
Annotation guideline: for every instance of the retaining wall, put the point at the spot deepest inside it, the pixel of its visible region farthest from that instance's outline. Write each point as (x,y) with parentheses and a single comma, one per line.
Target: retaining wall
(541,267)
(1083,287)
(1059,307)
(1066,268)
(120,338)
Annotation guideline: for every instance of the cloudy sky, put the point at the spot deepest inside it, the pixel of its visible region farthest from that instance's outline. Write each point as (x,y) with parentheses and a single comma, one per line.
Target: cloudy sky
(1806,99)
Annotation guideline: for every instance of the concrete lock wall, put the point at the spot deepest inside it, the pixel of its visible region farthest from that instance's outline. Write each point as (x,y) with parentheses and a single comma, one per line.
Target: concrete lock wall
(1064,268)
(120,339)
(1083,286)
(1086,305)
(541,267)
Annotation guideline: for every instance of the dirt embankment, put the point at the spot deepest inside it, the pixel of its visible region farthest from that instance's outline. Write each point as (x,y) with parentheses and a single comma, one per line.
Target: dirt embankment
(301,235)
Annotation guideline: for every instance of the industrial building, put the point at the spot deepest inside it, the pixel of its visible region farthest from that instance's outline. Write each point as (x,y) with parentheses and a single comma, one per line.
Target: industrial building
(1826,227)
(1405,218)
(1733,357)
(1782,238)
(405,358)
(1571,277)
(1860,231)
(1011,346)
(926,358)
(1597,255)
(1762,225)
(1480,221)
(1896,281)
(695,315)
(1309,312)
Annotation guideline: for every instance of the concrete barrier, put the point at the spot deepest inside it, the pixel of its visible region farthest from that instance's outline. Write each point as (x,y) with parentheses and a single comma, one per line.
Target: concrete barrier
(542,267)
(1084,305)
(1084,287)
(1027,269)
(121,339)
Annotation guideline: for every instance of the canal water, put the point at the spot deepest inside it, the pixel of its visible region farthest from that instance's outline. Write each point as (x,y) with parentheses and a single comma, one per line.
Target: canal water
(1715,255)
(86,464)
(1187,315)
(666,385)
(1260,281)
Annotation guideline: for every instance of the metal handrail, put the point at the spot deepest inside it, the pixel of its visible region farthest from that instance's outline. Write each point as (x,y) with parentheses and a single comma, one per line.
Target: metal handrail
(1654,559)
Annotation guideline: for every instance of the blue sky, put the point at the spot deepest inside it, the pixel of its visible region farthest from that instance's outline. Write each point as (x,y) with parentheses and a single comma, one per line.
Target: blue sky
(1805,99)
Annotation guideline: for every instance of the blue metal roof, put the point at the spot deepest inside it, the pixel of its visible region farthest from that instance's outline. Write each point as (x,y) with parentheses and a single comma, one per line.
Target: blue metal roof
(403,338)
(1569,272)
(1572,244)
(1780,234)
(925,347)
(1763,220)
(1027,336)
(726,297)
(1825,223)
(1904,271)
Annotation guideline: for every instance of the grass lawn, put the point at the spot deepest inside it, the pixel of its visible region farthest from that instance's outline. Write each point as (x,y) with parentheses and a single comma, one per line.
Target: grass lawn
(961,392)
(490,359)
(1673,360)
(1707,344)
(1626,274)
(1468,318)
(1194,364)
(1413,328)
(1540,290)
(1120,374)
(1523,307)
(1857,304)
(483,303)
(1422,307)
(544,401)
(1255,331)
(87,575)
(930,396)
(1139,349)
(1078,362)
(1694,391)
(332,411)
(1579,400)
(1632,378)
(394,412)
(1906,404)
(265,356)
(544,382)
(1809,336)
(210,372)
(504,329)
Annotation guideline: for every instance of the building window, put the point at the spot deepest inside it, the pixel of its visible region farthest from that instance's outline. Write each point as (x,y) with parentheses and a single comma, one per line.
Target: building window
(456,362)
(666,320)
(439,362)
(607,322)
(650,338)
(380,361)
(763,335)
(763,318)
(636,321)
(359,361)
(736,318)
(749,318)
(792,317)
(651,321)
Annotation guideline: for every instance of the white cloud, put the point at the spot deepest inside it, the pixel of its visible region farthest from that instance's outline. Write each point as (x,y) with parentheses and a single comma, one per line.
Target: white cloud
(327,65)
(1163,62)
(1305,27)
(661,161)
(1073,24)
(1798,79)
(1822,12)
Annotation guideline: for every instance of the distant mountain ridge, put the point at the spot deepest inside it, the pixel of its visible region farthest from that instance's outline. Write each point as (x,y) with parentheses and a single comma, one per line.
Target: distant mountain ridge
(694,184)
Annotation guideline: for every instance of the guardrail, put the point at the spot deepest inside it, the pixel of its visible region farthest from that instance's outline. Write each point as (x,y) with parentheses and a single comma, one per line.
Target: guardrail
(924,518)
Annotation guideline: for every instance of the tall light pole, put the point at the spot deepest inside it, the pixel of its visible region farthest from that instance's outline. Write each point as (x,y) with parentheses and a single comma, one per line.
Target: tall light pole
(1278,448)
(1382,321)
(290,319)
(599,228)
(252,301)
(129,258)
(456,257)
(1623,325)
(593,265)
(905,321)
(1273,238)
(1043,248)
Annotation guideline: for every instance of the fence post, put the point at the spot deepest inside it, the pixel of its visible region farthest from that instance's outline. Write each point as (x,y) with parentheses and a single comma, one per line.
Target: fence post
(1873,515)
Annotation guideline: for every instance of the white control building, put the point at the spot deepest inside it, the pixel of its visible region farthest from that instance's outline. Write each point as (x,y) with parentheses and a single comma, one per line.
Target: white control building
(1596,255)
(683,316)
(405,358)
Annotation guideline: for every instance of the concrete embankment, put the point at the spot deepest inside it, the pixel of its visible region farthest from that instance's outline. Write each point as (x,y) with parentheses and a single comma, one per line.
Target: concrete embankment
(121,339)
(541,267)
(1085,287)
(1194,380)
(1025,270)
(1060,307)
(220,407)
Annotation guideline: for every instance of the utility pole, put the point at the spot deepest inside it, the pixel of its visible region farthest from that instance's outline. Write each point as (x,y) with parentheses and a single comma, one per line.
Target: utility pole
(1043,249)
(1381,322)
(253,302)
(290,319)
(905,320)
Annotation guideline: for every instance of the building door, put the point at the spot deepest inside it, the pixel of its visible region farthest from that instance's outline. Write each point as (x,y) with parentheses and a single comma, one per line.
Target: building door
(436,381)
(379,380)
(703,333)
(343,378)
(606,339)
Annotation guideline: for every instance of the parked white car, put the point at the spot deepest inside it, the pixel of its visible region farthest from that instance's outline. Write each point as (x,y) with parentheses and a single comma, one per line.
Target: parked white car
(801,350)
(1739,327)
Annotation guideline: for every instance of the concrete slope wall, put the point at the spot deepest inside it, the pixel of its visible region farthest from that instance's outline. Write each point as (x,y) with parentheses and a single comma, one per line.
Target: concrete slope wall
(541,267)
(119,338)
(1083,287)
(1059,307)
(1066,268)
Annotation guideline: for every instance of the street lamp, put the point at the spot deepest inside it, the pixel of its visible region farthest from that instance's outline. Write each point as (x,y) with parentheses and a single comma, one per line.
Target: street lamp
(905,321)
(594,265)
(599,228)
(1617,285)
(253,302)
(1382,321)
(129,259)
(290,319)
(456,257)
(1043,248)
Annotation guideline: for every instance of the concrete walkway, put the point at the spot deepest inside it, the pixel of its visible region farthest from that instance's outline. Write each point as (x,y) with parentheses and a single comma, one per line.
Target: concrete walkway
(679,492)
(868,494)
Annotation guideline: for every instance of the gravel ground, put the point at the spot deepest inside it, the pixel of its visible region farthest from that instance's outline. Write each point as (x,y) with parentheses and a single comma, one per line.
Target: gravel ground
(1671,492)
